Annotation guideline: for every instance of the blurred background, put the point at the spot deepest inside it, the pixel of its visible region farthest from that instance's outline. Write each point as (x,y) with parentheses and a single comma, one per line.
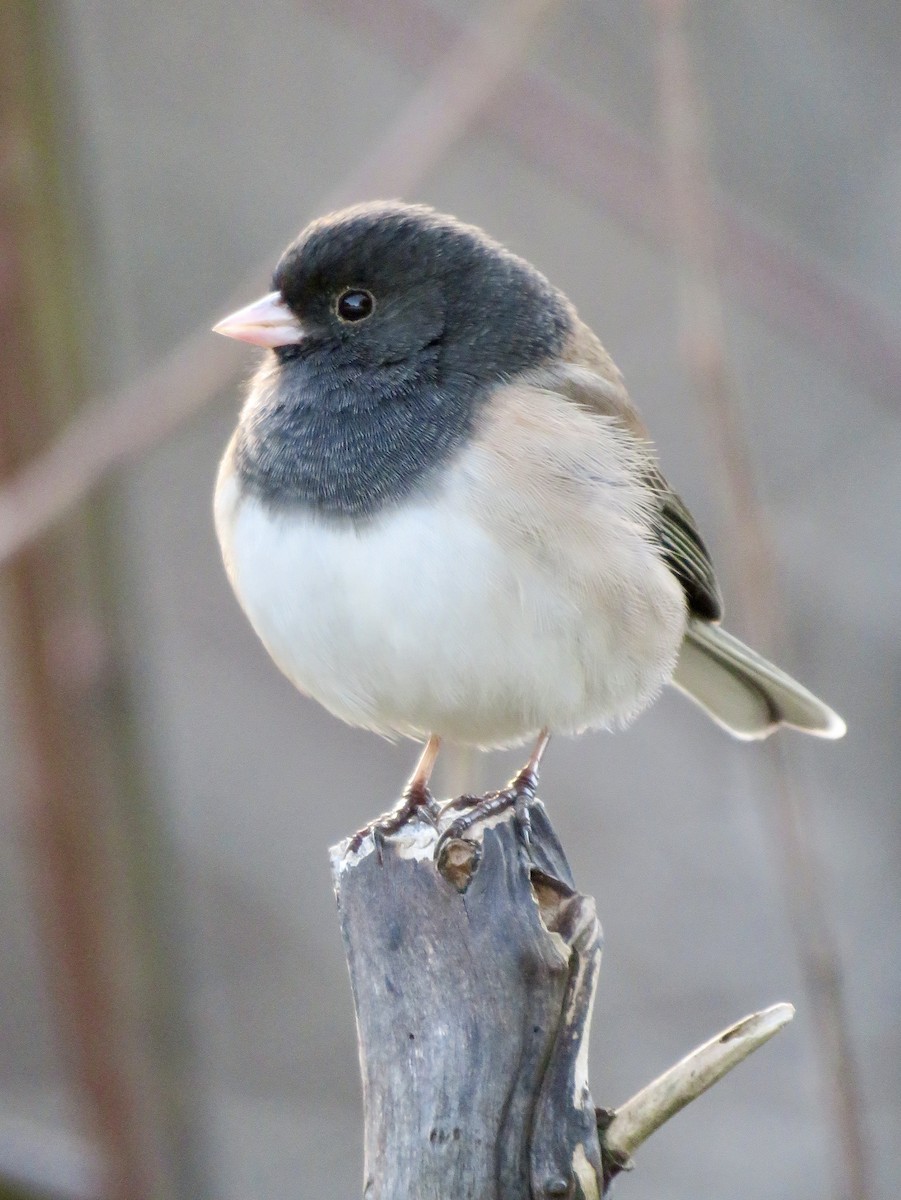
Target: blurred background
(717,187)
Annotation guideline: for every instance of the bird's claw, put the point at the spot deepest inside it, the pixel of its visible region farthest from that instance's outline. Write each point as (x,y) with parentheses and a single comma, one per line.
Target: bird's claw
(518,795)
(416,804)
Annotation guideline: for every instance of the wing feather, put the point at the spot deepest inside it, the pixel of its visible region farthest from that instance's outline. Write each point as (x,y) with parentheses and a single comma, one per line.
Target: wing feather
(681,545)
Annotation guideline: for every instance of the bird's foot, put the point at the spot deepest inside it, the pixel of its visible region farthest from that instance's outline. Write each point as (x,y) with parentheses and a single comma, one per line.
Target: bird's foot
(518,795)
(417,803)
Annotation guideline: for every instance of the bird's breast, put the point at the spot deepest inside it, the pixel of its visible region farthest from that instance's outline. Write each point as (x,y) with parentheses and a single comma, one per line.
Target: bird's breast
(345,445)
(423,620)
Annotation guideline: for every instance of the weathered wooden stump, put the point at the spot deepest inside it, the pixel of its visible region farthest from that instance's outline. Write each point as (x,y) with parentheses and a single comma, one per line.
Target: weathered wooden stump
(473,982)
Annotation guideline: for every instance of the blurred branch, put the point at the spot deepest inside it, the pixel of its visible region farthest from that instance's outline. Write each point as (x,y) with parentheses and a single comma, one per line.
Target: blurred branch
(40,1163)
(113,430)
(589,152)
(789,819)
(100,892)
(564,136)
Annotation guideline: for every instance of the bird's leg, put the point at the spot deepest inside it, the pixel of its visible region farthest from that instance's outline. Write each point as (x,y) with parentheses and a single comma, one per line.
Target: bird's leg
(416,799)
(518,794)
(416,794)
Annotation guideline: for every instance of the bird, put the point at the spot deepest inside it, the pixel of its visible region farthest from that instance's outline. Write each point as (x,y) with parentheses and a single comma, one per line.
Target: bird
(445,519)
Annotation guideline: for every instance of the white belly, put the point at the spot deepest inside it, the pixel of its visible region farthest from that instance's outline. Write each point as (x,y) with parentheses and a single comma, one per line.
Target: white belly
(418,623)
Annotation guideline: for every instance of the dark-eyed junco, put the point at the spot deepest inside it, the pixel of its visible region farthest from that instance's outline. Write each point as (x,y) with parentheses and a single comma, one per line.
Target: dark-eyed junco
(443,517)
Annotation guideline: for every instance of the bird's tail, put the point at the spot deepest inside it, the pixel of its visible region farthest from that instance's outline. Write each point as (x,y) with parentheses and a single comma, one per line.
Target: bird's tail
(743,692)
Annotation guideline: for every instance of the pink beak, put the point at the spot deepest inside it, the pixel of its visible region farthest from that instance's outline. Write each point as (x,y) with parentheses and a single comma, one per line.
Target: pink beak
(266,322)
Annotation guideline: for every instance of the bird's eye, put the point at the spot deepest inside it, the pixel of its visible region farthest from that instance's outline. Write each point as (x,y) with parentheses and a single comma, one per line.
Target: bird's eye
(355,304)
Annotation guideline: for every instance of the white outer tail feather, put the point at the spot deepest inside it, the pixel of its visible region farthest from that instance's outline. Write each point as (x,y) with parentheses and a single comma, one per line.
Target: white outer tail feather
(744,693)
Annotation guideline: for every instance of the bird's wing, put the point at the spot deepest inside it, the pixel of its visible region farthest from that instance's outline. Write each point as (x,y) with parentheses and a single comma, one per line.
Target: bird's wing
(685,553)
(681,545)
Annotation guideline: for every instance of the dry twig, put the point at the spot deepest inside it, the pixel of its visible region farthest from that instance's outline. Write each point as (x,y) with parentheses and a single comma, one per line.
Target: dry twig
(634,1122)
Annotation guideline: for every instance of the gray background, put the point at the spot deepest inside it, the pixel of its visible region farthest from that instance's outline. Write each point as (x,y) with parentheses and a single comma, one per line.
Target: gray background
(209,133)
